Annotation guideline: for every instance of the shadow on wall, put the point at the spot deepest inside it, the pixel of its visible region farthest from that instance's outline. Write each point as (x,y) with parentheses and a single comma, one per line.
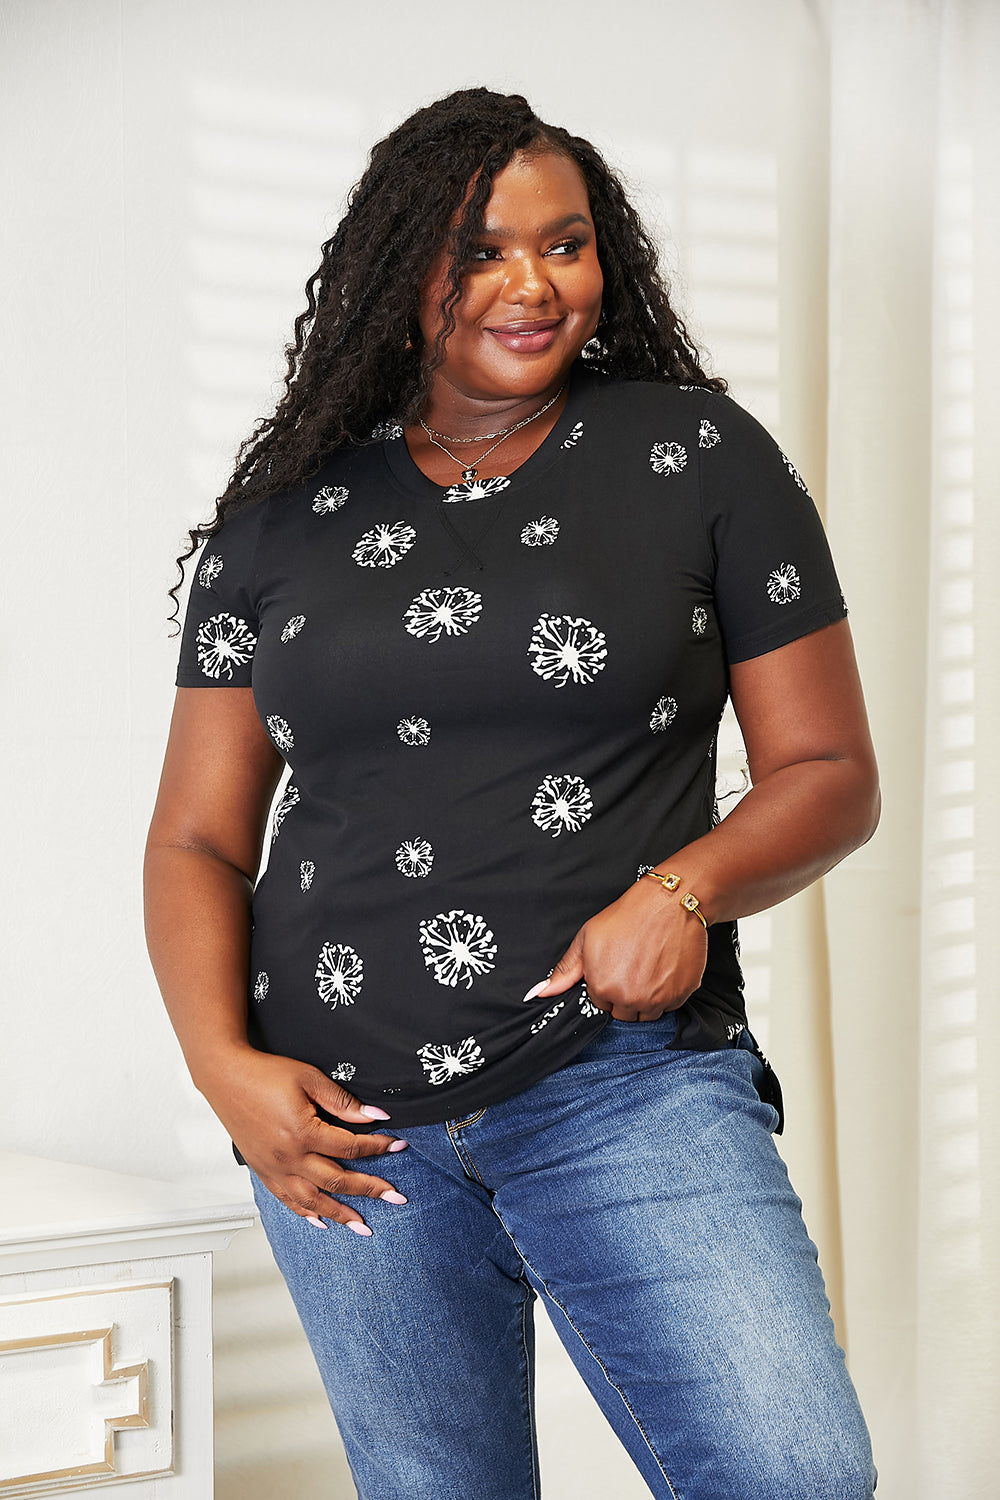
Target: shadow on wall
(267,177)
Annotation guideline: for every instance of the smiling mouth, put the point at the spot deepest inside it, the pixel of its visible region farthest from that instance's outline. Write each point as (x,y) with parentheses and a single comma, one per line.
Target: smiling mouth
(527,325)
(529,336)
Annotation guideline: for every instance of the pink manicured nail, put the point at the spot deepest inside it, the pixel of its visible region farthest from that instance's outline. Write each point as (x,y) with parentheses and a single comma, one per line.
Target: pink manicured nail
(399,1145)
(358,1227)
(392,1197)
(373,1112)
(532,994)
(312,1219)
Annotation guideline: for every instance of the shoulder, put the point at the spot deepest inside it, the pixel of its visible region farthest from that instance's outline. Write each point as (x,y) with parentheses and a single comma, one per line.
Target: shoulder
(642,400)
(740,445)
(648,400)
(652,428)
(322,493)
(646,414)
(706,435)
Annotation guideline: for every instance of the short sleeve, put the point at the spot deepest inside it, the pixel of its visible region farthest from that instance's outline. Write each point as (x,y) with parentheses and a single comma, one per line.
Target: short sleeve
(220,626)
(774,578)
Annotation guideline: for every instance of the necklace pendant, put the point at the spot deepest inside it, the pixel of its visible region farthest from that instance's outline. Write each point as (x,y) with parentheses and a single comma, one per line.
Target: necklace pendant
(469,474)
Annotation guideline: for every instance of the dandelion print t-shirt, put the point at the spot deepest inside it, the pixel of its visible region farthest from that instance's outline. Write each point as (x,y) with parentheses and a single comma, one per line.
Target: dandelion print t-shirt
(499,703)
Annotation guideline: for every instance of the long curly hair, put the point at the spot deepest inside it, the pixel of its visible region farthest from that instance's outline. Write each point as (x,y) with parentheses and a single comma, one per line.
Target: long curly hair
(356,359)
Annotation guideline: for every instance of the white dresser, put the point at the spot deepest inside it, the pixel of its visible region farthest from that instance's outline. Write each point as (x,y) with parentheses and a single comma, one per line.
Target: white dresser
(106,1331)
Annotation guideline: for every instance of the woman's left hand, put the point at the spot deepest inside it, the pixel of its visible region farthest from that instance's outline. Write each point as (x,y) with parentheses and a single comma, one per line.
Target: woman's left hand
(641,956)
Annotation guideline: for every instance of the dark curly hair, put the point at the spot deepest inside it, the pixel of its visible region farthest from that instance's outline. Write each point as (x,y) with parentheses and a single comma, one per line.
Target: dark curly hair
(356,360)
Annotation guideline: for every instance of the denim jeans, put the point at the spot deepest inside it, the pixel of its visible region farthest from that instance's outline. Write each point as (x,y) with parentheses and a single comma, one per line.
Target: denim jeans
(638,1191)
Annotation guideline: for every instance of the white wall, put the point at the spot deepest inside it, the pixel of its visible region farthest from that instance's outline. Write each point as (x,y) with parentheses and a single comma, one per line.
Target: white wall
(170,168)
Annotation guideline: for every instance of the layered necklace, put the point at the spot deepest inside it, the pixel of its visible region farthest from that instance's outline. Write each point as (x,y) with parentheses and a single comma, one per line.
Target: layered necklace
(470,472)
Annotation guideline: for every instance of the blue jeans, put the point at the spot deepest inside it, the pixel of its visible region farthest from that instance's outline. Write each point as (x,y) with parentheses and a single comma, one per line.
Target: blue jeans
(638,1191)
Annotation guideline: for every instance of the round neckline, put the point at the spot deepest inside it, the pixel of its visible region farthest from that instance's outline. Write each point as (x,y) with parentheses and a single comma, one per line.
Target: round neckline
(412,479)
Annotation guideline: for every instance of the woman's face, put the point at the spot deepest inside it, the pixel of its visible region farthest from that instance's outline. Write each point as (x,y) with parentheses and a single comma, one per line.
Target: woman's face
(531,293)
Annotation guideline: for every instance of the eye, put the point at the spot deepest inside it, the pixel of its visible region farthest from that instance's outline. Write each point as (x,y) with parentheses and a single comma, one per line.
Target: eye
(483,253)
(566,247)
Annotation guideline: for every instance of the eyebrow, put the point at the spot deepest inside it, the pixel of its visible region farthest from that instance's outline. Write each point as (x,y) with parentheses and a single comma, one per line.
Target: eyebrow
(554,227)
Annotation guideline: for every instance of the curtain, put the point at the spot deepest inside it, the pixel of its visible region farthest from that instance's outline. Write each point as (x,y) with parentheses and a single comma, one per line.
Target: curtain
(912,921)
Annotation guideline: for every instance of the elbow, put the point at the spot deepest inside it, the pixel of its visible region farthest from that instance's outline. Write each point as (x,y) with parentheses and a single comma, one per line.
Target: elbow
(856,803)
(876,810)
(874,813)
(868,802)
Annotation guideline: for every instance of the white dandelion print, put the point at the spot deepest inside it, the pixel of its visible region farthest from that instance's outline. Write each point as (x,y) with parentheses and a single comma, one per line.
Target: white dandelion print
(447,611)
(307,870)
(414,857)
(384,545)
(642,870)
(289,799)
(793,471)
(736,943)
(293,628)
(699,620)
(343,1072)
(330,498)
(476,489)
(565,649)
(544,1020)
(667,458)
(733,1030)
(209,571)
(540,533)
(458,946)
(414,731)
(708,434)
(663,714)
(561,803)
(261,986)
(280,731)
(339,974)
(572,438)
(386,432)
(783,584)
(222,643)
(587,1006)
(442,1062)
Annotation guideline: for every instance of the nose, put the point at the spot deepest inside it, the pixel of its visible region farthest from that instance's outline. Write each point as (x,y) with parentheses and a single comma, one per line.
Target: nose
(527,282)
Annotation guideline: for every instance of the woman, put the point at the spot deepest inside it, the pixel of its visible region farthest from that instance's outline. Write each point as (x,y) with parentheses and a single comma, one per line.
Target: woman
(494,643)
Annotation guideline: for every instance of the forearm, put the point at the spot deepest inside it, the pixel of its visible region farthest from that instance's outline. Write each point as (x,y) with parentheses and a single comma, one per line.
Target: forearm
(788,830)
(198,933)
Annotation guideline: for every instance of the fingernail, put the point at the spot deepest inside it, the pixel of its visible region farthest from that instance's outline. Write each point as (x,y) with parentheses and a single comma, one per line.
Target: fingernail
(373,1112)
(536,991)
(392,1197)
(399,1145)
(312,1219)
(358,1227)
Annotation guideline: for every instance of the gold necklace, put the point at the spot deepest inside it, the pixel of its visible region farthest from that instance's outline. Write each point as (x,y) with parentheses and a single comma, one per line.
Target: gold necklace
(470,472)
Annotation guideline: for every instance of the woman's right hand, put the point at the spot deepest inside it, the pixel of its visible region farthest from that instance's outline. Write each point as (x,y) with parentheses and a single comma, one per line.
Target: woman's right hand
(268,1104)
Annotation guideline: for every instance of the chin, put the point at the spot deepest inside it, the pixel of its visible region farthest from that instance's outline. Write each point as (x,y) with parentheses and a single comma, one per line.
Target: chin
(528,374)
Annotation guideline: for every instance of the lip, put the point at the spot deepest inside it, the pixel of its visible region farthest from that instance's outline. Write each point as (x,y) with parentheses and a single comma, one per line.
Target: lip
(528,336)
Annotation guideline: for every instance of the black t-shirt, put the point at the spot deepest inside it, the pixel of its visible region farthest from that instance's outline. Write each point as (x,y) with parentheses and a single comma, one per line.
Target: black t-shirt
(499,703)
